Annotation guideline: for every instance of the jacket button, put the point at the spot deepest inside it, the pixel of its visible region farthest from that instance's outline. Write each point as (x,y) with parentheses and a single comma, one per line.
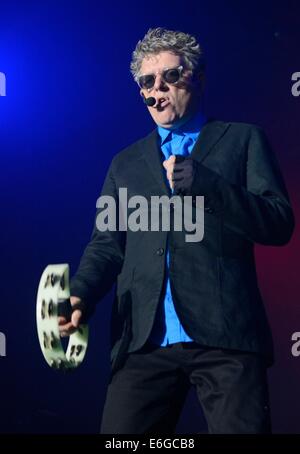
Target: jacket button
(208,210)
(160,251)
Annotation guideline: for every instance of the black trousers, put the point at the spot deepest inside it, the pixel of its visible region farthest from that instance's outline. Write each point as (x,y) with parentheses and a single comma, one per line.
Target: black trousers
(146,395)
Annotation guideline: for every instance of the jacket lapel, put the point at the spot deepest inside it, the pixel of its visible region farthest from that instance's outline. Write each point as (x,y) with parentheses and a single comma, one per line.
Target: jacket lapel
(152,156)
(209,136)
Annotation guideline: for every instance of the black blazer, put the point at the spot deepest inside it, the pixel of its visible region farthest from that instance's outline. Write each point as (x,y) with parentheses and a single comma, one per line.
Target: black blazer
(214,283)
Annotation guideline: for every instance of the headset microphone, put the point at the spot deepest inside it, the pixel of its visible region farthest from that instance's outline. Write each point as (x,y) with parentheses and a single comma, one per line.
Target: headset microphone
(150,101)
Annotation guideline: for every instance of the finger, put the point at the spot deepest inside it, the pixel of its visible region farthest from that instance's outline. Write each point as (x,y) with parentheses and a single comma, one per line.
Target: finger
(179,158)
(183,165)
(171,183)
(76,317)
(62,320)
(170,161)
(170,176)
(177,179)
(66,326)
(166,164)
(67,332)
(170,180)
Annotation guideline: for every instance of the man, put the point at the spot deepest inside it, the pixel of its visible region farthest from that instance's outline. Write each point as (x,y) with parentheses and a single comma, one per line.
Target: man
(186,313)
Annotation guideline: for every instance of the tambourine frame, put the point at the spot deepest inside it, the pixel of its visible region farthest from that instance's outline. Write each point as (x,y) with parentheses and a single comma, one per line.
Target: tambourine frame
(54,290)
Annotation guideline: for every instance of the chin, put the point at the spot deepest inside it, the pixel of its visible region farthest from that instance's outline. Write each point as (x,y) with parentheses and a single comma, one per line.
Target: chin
(166,122)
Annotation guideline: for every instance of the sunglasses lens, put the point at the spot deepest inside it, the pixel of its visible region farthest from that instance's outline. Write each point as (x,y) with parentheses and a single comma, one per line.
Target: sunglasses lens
(147,81)
(172,76)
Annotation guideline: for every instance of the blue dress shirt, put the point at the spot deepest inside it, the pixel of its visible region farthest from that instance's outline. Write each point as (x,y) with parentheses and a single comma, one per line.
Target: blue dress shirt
(167,328)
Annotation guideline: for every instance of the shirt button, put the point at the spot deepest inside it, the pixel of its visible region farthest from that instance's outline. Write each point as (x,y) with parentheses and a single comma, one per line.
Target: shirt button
(160,251)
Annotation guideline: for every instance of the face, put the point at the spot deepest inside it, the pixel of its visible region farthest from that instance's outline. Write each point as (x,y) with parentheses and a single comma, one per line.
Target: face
(175,103)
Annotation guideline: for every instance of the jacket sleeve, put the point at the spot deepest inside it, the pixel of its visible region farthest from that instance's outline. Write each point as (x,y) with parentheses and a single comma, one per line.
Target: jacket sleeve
(260,211)
(102,258)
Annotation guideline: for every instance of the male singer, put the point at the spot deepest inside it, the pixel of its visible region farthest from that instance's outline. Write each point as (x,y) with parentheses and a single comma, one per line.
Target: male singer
(186,313)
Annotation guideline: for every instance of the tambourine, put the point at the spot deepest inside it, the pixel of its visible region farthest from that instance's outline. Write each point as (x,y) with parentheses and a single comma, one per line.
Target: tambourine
(53,300)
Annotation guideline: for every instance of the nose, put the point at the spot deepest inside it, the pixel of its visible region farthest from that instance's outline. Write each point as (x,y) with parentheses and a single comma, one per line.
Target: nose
(159,83)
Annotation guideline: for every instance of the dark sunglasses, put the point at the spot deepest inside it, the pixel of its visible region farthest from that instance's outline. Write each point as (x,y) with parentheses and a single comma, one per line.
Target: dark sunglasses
(169,75)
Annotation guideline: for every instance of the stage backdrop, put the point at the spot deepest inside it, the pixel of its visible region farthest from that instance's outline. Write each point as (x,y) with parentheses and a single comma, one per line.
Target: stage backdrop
(68,104)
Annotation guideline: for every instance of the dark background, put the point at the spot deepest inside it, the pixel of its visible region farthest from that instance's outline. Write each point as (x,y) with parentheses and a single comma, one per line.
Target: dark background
(72,104)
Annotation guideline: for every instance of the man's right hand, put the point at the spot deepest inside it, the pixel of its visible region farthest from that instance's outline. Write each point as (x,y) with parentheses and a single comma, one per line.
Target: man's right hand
(66,328)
